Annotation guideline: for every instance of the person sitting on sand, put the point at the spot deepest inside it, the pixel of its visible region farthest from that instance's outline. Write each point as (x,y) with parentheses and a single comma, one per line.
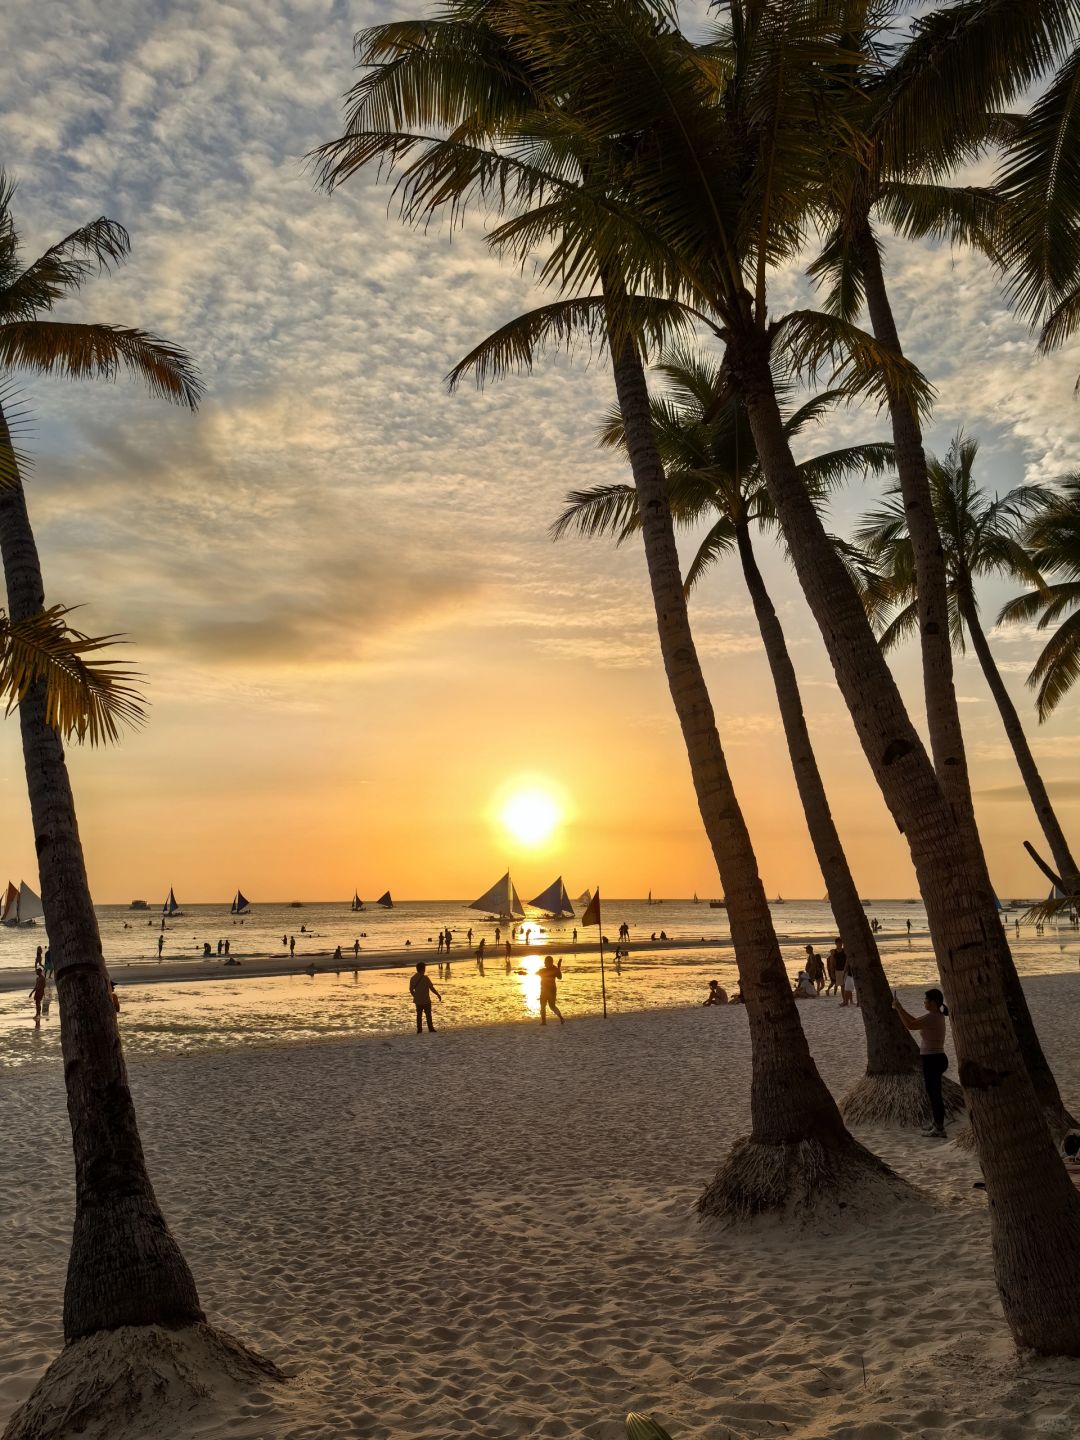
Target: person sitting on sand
(421,989)
(804,988)
(935,1062)
(717,994)
(550,975)
(663,935)
(737,999)
(207,952)
(337,952)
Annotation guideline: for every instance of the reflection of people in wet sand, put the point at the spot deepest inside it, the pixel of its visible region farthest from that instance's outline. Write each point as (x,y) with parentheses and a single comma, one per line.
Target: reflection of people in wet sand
(421,988)
(550,976)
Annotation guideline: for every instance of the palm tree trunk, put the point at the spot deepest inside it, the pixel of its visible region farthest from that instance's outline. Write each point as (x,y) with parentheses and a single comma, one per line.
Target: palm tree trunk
(125,1267)
(1034,1210)
(1029,770)
(892,1088)
(799,1150)
(942,710)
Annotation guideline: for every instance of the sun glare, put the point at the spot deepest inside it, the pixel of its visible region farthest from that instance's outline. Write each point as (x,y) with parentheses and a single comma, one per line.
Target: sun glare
(530,816)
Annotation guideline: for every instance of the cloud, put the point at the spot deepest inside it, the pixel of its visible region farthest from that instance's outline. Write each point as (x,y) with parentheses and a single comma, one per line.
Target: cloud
(1063,790)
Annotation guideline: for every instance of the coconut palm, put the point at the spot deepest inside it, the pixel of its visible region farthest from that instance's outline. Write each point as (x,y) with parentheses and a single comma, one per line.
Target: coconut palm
(701,166)
(1052,538)
(713,476)
(981,536)
(125,1268)
(479,77)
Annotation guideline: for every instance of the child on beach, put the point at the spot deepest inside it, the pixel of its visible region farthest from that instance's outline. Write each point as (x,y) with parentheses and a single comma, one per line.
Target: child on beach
(421,989)
(550,975)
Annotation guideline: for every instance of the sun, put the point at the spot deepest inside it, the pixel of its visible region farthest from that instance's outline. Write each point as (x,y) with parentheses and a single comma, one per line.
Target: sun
(530,816)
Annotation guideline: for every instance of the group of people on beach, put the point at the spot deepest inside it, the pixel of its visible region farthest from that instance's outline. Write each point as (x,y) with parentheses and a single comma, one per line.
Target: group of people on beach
(831,975)
(422,987)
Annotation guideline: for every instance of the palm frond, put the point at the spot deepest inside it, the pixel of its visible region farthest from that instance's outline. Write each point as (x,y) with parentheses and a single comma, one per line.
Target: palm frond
(76,352)
(962,214)
(64,267)
(1057,669)
(600,510)
(86,698)
(809,341)
(719,541)
(824,472)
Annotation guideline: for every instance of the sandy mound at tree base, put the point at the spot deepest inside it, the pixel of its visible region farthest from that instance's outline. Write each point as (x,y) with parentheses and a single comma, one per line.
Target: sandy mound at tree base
(134,1382)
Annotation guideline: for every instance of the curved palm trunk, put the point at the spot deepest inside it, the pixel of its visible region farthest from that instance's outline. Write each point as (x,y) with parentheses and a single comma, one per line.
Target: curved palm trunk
(1034,1210)
(892,1088)
(125,1267)
(1029,770)
(942,710)
(798,1148)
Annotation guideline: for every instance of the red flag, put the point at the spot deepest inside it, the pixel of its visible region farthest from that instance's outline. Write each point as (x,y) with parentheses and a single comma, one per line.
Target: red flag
(592,911)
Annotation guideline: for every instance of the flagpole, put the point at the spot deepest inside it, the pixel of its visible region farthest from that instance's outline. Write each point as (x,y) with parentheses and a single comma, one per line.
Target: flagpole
(600,937)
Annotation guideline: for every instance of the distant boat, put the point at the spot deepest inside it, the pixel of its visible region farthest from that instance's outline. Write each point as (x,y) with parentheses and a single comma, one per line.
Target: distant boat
(138,905)
(717,904)
(779,900)
(172,905)
(357,903)
(296,904)
(696,900)
(651,901)
(240,905)
(385,901)
(585,898)
(554,901)
(20,907)
(501,900)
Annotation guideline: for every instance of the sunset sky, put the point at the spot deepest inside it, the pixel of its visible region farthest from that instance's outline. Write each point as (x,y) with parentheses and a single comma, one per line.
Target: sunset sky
(358,639)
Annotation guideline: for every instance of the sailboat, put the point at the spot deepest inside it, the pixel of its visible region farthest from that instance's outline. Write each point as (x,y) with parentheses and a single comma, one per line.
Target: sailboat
(385,901)
(554,901)
(501,900)
(696,900)
(172,905)
(240,905)
(585,898)
(357,903)
(21,907)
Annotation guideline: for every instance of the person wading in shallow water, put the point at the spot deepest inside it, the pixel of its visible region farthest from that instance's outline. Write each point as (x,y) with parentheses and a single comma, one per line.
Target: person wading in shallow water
(935,1062)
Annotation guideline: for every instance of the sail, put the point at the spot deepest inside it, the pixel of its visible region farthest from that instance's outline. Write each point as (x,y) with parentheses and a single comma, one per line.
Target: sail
(385,900)
(584,897)
(30,907)
(554,900)
(9,908)
(357,903)
(501,899)
(171,905)
(239,904)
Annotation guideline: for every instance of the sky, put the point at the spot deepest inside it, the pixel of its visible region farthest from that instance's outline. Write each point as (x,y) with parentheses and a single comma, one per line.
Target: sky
(357,638)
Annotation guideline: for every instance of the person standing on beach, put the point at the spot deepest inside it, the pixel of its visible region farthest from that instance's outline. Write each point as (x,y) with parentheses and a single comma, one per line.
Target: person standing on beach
(575,937)
(815,967)
(468,935)
(421,989)
(160,945)
(550,976)
(498,934)
(37,994)
(480,955)
(839,957)
(908,924)
(935,1062)
(439,950)
(292,946)
(355,948)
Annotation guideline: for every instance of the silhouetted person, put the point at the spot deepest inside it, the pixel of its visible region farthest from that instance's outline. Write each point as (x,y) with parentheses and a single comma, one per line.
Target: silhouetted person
(160,945)
(421,989)
(550,976)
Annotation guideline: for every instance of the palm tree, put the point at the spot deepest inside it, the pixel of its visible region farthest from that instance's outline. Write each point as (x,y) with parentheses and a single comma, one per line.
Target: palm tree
(980,536)
(478,76)
(125,1268)
(701,169)
(1052,538)
(924,105)
(713,473)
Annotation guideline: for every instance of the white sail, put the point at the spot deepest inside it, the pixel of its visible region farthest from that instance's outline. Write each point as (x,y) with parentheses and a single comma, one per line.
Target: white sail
(9,907)
(30,907)
(584,897)
(240,904)
(554,900)
(501,899)
(171,904)
(385,901)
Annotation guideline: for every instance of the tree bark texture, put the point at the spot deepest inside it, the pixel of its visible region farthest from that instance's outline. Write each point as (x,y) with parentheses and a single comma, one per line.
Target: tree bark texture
(942,710)
(1035,1212)
(1025,760)
(890,1050)
(125,1267)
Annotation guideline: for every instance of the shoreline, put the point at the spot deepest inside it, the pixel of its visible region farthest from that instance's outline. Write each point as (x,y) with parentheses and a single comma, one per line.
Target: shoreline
(260,965)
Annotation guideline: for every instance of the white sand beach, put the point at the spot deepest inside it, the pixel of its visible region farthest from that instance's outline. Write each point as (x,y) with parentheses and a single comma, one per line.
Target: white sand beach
(490,1233)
